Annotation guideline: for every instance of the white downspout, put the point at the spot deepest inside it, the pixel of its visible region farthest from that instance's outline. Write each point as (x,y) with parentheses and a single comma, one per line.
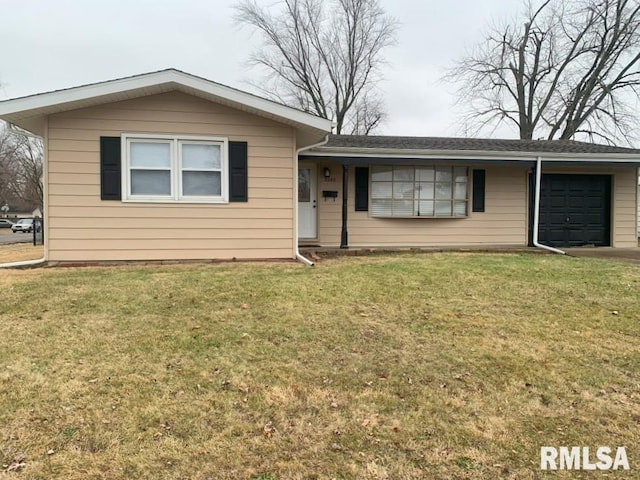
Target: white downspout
(24,263)
(536,211)
(299,256)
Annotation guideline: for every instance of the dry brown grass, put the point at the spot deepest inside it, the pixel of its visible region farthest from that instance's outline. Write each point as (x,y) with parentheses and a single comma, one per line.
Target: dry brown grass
(444,366)
(18,252)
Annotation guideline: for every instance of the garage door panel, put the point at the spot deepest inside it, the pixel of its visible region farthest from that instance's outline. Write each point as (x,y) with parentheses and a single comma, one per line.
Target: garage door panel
(576,235)
(595,202)
(578,219)
(555,234)
(575,210)
(557,218)
(557,185)
(576,202)
(594,236)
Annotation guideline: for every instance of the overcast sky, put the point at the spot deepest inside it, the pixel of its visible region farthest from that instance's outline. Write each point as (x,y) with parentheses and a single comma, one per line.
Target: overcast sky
(52,44)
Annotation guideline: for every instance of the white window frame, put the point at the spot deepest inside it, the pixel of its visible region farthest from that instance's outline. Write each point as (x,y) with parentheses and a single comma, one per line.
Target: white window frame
(175,141)
(415,167)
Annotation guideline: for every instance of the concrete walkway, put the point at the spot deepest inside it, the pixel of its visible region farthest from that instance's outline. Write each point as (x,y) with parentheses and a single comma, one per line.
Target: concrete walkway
(627,255)
(318,253)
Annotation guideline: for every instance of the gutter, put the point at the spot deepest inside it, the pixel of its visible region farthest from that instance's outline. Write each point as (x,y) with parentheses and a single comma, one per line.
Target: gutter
(298,255)
(536,212)
(440,154)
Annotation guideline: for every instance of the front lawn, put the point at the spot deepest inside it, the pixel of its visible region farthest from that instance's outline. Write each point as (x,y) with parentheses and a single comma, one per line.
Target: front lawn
(18,252)
(440,366)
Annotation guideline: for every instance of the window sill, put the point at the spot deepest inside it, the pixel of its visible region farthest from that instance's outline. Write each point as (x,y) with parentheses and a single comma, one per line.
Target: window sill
(459,217)
(171,201)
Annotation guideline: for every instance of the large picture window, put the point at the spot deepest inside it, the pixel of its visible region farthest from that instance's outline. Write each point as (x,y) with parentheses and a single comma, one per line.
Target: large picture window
(404,191)
(171,168)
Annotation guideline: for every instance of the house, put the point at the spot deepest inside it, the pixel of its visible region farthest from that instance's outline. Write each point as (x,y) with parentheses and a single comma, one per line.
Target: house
(425,192)
(170,166)
(166,165)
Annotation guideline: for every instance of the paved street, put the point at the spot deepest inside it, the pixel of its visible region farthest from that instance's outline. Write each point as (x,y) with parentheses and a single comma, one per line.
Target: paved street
(6,238)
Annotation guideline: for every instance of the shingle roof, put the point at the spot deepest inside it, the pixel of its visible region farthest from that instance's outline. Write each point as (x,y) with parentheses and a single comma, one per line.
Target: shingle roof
(29,112)
(473,144)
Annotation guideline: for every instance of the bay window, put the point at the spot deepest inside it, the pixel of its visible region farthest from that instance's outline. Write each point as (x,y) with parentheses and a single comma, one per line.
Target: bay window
(413,191)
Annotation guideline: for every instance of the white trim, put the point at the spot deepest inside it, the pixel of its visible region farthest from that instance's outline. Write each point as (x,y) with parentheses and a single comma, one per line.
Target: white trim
(170,78)
(296,240)
(471,155)
(175,169)
(45,190)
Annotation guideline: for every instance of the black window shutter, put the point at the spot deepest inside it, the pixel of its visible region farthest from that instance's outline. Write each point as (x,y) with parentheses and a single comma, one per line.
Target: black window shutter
(478,190)
(110,169)
(237,171)
(362,189)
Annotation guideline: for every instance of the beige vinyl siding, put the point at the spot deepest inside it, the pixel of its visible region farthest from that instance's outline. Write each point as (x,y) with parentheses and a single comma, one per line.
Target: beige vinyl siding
(504,221)
(624,209)
(82,227)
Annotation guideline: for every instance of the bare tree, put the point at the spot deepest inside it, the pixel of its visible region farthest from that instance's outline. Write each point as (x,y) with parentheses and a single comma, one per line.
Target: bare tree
(568,68)
(7,174)
(324,57)
(20,168)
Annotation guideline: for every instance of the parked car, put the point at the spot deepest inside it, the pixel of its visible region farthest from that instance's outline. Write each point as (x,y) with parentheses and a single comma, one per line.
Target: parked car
(24,225)
(5,223)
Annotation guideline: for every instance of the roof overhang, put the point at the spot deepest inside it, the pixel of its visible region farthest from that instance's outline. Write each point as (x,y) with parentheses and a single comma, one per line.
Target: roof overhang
(30,112)
(359,156)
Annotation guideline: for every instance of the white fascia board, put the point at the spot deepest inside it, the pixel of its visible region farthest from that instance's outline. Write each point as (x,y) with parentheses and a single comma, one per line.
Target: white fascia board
(76,94)
(31,104)
(472,155)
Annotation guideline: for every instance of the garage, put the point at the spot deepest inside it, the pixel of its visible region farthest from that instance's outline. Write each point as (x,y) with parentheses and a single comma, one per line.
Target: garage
(575,210)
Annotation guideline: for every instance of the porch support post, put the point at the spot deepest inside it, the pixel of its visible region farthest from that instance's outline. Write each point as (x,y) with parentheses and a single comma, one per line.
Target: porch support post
(344,236)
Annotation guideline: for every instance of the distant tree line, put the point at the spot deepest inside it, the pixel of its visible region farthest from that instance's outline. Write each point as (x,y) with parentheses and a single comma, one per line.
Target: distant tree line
(20,170)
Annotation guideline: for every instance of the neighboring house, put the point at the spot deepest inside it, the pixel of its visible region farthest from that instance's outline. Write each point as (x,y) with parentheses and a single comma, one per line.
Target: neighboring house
(168,166)
(14,215)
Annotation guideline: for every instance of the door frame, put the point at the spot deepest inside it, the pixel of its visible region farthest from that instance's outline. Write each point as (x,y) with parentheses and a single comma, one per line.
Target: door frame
(532,192)
(313,166)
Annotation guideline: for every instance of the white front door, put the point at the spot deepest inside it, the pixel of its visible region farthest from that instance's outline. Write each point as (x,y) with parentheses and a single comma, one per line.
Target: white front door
(307,216)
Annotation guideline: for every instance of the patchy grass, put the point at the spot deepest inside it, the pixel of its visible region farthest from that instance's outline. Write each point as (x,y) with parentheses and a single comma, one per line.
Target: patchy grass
(18,252)
(443,366)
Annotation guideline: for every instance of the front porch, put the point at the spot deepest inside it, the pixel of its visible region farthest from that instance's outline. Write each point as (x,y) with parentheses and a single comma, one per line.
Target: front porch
(424,193)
